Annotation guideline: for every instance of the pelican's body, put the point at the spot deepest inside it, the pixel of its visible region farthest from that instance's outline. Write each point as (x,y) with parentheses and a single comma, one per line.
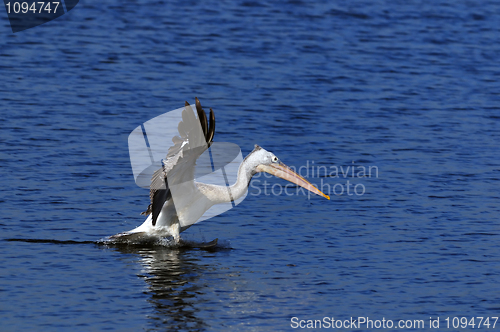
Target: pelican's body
(168,216)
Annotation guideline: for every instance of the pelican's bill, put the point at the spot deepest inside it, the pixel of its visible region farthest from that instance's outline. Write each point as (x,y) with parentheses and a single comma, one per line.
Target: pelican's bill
(286,173)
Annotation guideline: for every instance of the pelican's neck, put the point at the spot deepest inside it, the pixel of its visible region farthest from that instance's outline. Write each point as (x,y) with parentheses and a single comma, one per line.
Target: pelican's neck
(222,194)
(245,174)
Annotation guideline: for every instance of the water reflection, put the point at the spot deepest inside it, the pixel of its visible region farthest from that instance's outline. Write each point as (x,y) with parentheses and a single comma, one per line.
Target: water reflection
(173,278)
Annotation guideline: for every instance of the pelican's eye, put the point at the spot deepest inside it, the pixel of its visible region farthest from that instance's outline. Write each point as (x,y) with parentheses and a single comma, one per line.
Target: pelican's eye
(274,159)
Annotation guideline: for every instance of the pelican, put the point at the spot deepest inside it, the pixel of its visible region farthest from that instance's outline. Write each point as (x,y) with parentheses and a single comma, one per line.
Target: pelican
(177,201)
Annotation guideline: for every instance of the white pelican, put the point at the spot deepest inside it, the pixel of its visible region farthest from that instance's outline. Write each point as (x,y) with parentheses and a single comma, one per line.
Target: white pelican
(178,201)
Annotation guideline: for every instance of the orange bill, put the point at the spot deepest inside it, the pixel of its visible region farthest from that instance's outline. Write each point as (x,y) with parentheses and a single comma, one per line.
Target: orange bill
(284,172)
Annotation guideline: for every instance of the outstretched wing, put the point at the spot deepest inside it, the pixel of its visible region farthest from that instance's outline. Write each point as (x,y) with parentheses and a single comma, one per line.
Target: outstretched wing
(195,136)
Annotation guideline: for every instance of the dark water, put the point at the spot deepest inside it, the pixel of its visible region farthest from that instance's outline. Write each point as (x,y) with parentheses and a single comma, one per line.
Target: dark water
(409,87)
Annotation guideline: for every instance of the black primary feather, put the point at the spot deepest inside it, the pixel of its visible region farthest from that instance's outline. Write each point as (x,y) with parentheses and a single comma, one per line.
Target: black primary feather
(202,117)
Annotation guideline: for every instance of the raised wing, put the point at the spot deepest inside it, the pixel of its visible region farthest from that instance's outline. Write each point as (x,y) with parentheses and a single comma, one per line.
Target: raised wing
(196,135)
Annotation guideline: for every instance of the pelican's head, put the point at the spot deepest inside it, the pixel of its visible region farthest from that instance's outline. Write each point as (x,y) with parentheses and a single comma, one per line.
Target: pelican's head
(262,160)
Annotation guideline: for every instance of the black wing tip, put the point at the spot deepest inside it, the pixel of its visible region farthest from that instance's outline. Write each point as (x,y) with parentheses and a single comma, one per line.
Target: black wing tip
(208,130)
(211,130)
(202,117)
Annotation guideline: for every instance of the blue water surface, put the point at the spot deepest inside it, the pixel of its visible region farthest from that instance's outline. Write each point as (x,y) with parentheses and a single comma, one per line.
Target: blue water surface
(408,88)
